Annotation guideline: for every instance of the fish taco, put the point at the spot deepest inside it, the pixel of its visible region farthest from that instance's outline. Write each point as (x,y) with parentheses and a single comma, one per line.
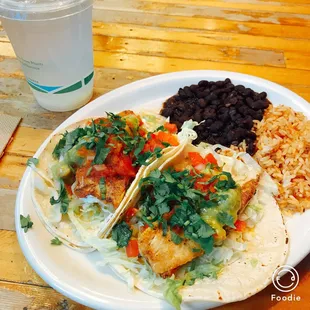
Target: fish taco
(199,225)
(91,169)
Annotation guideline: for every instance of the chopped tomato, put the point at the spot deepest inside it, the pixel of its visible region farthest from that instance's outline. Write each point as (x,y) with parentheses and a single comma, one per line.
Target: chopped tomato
(151,145)
(167,216)
(68,189)
(132,249)
(240,225)
(210,159)
(212,187)
(131,212)
(172,128)
(124,166)
(196,159)
(177,229)
(199,184)
(168,138)
(144,227)
(142,132)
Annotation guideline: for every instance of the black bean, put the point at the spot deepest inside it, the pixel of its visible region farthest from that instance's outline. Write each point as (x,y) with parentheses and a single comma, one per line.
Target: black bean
(188,91)
(227,80)
(223,96)
(251,148)
(248,92)
(202,103)
(198,116)
(213,87)
(240,88)
(251,135)
(224,117)
(247,122)
(263,95)
(203,83)
(255,96)
(182,93)
(210,97)
(200,94)
(216,102)
(232,101)
(216,126)
(208,122)
(193,88)
(166,112)
(219,83)
(209,113)
(258,115)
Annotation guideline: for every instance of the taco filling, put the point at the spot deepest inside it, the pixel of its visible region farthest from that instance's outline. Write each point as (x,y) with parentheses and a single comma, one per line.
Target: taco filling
(184,212)
(103,158)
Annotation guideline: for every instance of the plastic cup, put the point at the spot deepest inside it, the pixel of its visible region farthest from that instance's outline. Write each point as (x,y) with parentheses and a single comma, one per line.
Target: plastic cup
(53,42)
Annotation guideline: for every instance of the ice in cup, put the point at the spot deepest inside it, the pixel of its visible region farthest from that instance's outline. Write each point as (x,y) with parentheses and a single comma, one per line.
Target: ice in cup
(53,42)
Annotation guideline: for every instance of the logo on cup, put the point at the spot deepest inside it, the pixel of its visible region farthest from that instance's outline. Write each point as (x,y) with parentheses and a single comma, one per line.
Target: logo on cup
(279,272)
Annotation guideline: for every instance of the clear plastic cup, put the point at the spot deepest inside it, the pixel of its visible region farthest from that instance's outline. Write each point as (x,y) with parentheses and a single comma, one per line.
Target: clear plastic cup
(53,42)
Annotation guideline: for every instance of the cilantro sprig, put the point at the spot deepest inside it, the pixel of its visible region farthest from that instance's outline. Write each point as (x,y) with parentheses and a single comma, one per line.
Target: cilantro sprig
(63,198)
(121,233)
(32,161)
(25,222)
(161,191)
(56,241)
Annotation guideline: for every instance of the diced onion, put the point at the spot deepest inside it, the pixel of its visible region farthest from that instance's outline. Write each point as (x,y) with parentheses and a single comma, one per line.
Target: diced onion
(200,167)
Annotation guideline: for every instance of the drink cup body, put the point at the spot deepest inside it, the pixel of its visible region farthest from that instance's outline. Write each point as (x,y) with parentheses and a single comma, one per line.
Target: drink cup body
(56,56)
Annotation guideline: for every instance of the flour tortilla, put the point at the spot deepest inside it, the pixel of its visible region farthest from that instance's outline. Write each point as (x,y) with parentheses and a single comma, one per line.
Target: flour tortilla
(65,230)
(267,245)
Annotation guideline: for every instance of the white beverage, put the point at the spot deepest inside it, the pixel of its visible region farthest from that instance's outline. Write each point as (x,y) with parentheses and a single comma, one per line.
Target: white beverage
(53,42)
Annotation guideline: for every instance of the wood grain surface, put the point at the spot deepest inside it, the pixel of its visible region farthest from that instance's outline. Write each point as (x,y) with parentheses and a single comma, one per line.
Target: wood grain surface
(135,39)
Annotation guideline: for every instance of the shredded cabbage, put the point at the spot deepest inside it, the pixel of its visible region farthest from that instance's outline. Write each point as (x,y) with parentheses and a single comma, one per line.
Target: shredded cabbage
(152,120)
(252,214)
(91,213)
(187,134)
(172,294)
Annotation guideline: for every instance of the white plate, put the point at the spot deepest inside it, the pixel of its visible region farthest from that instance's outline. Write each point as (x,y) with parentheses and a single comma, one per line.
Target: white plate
(76,275)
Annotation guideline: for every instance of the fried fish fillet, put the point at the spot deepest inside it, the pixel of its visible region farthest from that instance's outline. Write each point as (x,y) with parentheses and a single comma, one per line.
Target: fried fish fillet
(247,192)
(162,253)
(115,187)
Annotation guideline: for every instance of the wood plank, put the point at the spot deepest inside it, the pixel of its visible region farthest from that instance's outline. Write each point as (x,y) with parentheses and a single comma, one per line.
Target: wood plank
(13,264)
(223,39)
(6,49)
(199,23)
(188,51)
(204,11)
(242,5)
(7,208)
(27,140)
(295,60)
(12,168)
(160,64)
(301,90)
(26,297)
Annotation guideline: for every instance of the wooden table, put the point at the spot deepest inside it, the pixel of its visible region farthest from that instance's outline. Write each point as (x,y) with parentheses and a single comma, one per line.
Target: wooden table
(136,39)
